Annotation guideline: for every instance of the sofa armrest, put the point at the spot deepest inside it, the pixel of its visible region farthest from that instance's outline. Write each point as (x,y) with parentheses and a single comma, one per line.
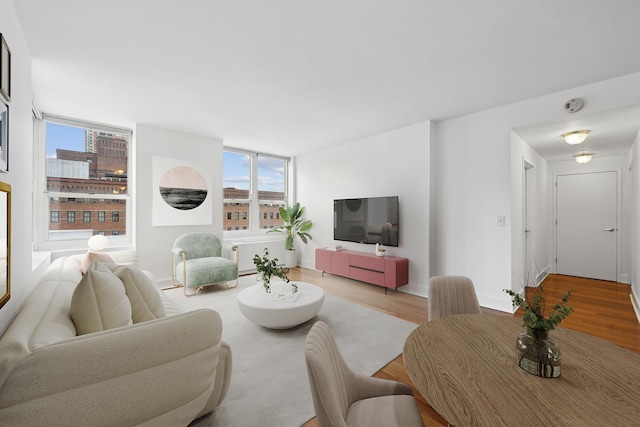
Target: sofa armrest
(223,379)
(122,376)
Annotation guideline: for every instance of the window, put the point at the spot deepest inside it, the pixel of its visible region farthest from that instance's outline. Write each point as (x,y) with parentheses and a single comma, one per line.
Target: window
(55,216)
(115,216)
(85,164)
(236,185)
(272,174)
(255,185)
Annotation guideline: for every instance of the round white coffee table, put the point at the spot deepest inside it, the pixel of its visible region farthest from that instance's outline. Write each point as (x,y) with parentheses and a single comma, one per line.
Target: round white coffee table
(271,312)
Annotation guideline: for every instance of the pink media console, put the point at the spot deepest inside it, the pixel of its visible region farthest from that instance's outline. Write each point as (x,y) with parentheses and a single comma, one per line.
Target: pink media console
(387,271)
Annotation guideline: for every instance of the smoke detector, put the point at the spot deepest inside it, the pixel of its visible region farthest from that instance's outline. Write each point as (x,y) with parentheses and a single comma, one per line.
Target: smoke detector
(573,105)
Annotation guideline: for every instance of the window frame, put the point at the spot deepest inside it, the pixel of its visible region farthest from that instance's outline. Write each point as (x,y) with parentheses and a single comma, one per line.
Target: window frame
(41,195)
(254,228)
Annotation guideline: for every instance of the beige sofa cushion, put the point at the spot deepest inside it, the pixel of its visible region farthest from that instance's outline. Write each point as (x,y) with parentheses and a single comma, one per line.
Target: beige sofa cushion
(146,303)
(99,302)
(91,257)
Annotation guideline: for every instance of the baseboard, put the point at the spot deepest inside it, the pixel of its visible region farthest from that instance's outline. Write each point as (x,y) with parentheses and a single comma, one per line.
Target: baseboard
(164,284)
(636,306)
(543,275)
(414,290)
(624,278)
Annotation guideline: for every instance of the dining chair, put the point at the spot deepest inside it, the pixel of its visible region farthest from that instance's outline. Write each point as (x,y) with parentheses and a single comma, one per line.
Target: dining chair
(342,397)
(451,295)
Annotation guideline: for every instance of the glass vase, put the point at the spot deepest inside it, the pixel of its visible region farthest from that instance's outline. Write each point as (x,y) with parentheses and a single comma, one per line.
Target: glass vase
(537,354)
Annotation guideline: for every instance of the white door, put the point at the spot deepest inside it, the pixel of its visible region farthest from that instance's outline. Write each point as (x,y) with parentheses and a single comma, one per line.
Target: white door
(586,227)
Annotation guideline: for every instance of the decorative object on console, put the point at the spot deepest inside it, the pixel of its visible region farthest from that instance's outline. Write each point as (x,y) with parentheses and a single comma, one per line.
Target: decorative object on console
(5,69)
(380,250)
(536,353)
(294,225)
(268,268)
(5,243)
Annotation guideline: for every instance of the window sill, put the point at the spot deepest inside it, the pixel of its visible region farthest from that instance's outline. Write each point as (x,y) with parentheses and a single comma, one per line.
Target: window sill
(38,259)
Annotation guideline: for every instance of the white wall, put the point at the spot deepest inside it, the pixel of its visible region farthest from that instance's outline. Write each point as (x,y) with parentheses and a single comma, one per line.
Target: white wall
(388,164)
(20,175)
(154,243)
(473,183)
(619,164)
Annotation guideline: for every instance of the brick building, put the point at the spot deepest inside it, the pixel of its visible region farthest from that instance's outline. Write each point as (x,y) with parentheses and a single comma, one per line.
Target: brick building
(100,171)
(236,209)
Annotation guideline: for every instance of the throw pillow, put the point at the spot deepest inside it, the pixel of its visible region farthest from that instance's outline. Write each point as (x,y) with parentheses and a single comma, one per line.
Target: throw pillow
(146,303)
(91,257)
(99,302)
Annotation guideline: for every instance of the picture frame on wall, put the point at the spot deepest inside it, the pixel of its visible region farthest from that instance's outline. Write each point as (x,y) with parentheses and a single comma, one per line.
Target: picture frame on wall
(5,69)
(5,243)
(4,137)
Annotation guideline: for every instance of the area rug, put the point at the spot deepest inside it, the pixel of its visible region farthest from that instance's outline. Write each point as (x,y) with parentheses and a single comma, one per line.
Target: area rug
(269,384)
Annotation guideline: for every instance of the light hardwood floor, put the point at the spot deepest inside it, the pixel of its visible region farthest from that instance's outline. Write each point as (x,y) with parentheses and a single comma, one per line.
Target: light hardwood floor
(602,309)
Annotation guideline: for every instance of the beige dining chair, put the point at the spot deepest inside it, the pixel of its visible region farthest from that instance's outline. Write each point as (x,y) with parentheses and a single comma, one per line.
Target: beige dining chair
(451,295)
(342,397)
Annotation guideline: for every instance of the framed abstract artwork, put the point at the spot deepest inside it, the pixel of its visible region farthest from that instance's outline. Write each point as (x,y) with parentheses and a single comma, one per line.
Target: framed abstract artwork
(181,193)
(5,243)
(5,69)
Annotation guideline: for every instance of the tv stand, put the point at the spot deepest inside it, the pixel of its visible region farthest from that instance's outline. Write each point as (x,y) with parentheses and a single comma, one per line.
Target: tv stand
(386,271)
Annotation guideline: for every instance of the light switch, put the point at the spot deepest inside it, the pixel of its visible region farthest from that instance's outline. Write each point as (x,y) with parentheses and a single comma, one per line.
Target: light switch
(501,221)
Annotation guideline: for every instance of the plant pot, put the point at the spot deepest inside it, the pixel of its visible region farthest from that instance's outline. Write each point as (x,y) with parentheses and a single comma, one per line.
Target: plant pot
(290,258)
(537,354)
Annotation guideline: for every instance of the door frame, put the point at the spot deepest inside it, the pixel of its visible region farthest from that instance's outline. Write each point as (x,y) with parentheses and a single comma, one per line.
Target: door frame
(619,223)
(528,169)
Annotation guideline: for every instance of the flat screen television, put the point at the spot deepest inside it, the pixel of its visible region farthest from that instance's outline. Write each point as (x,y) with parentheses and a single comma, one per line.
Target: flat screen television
(366,220)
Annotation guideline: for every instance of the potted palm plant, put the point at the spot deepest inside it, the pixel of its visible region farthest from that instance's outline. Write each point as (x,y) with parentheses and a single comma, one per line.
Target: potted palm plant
(293,225)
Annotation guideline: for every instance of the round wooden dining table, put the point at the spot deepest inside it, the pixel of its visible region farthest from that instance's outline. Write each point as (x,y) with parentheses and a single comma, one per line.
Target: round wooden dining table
(465,367)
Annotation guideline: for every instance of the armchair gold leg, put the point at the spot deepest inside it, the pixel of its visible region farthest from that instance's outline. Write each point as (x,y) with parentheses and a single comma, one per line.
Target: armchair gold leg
(198,289)
(230,287)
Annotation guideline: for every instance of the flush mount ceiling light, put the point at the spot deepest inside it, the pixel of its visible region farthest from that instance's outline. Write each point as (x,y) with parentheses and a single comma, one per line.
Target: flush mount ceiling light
(583,157)
(575,137)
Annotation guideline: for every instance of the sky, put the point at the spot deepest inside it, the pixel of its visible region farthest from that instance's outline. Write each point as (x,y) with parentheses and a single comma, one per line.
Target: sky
(61,136)
(237,172)
(236,165)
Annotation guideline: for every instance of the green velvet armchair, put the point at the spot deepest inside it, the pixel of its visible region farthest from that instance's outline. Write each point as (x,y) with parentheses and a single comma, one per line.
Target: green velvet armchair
(197,261)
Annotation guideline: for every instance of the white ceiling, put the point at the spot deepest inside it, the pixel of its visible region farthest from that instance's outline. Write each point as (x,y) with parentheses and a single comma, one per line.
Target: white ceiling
(291,76)
(611,133)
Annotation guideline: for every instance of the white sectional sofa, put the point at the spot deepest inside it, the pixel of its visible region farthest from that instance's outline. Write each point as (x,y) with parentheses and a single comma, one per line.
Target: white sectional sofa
(167,371)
